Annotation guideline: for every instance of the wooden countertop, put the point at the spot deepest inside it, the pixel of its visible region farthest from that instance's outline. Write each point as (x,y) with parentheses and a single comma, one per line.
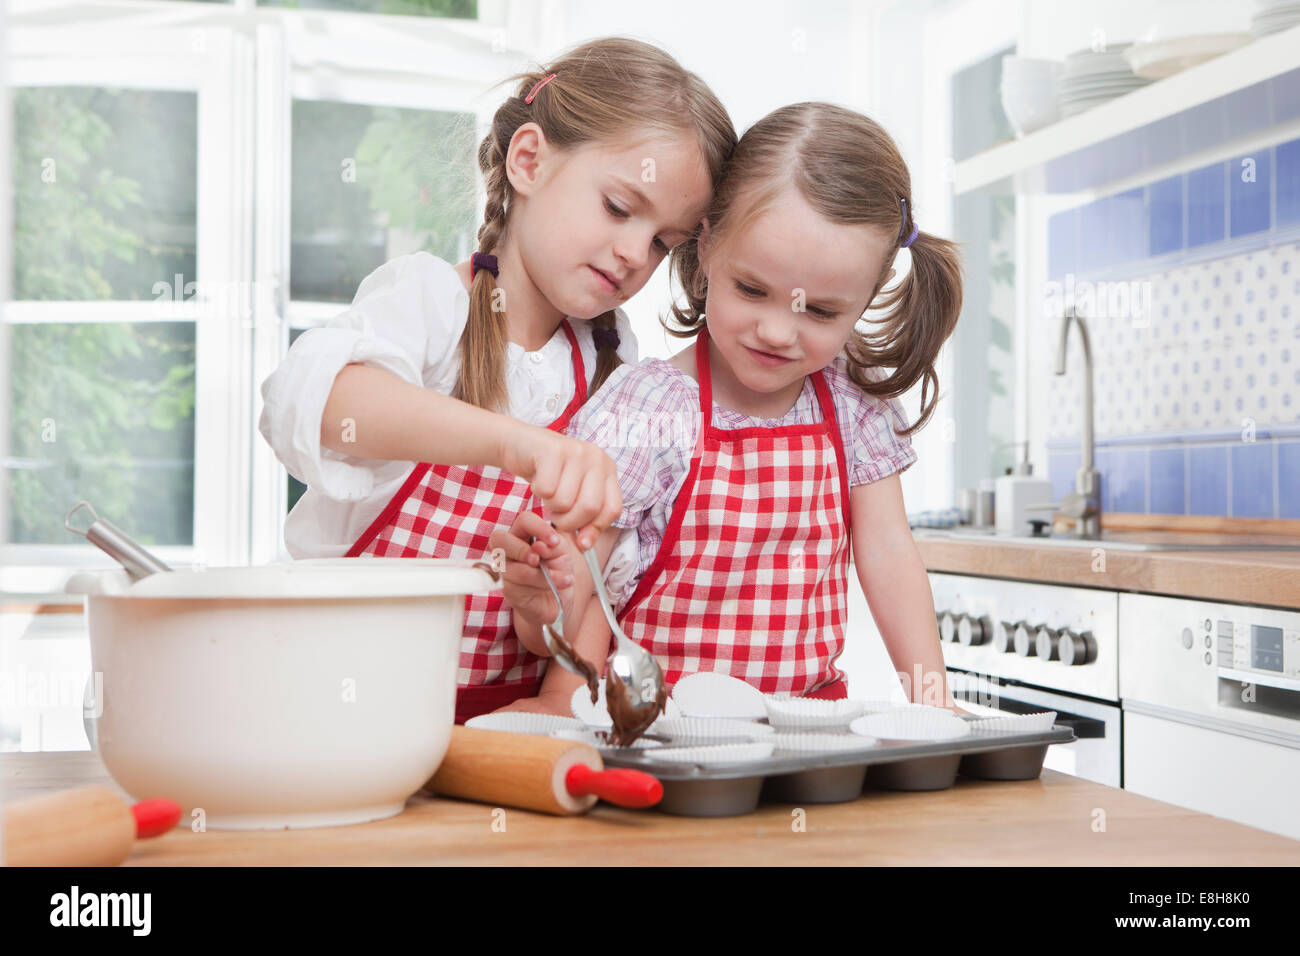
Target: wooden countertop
(1241,577)
(1051,821)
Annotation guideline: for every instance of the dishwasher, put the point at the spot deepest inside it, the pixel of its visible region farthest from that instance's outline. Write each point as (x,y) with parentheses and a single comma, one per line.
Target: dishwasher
(1211,700)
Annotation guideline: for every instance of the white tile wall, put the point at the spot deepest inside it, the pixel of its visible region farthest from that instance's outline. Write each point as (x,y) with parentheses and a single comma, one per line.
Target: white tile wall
(1223,345)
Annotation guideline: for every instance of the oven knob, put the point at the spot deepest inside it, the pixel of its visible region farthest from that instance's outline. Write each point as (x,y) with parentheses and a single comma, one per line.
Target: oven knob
(1077,648)
(973,630)
(1004,636)
(1024,641)
(947,627)
(1046,643)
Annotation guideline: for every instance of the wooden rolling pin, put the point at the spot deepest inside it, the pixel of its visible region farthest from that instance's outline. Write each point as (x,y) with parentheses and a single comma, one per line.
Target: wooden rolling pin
(88,826)
(536,773)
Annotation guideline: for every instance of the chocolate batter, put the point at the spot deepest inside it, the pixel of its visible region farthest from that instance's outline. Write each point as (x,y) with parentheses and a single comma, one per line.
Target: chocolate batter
(589,673)
(629,722)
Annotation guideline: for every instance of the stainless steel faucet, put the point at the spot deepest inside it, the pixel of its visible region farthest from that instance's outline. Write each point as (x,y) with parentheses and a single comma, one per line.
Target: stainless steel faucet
(1084,504)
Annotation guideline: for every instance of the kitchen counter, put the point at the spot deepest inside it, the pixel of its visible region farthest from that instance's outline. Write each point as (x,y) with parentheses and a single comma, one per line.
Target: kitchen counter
(1242,577)
(1051,821)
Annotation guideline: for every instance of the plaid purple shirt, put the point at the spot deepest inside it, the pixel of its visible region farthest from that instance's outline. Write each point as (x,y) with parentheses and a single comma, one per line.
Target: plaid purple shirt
(647,418)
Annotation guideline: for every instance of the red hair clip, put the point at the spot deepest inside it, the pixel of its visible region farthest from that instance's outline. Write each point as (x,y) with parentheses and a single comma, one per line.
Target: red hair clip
(537,86)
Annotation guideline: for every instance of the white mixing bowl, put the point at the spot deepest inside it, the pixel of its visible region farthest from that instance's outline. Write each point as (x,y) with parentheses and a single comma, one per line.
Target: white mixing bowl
(308,693)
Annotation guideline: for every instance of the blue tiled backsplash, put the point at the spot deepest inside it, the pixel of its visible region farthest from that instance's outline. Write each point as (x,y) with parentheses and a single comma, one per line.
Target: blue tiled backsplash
(1196,340)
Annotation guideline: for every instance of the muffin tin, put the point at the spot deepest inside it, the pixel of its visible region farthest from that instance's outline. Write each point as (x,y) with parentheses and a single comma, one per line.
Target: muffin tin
(723,790)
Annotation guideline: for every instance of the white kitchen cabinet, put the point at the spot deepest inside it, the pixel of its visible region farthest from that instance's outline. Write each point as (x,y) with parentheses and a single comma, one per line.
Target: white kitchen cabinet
(1240,779)
(44,664)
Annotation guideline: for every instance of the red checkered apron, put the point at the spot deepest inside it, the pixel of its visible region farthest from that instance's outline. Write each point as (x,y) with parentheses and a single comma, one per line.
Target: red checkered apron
(449,511)
(751,577)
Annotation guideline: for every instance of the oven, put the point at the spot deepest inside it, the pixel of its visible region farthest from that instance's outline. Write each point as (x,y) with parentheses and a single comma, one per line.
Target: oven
(1019,647)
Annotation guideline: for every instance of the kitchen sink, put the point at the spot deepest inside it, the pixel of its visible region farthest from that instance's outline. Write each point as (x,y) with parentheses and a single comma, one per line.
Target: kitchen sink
(1119,540)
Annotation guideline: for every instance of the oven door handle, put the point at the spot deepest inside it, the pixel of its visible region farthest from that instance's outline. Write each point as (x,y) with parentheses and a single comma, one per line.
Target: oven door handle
(1083,727)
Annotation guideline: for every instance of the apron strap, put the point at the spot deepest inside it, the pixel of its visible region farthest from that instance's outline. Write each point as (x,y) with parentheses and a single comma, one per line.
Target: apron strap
(833,432)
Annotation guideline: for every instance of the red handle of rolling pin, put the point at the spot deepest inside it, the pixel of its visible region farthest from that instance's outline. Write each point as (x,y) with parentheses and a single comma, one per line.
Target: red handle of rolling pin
(155,817)
(624,788)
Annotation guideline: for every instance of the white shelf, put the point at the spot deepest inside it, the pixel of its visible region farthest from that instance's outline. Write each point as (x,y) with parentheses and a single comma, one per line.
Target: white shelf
(1257,62)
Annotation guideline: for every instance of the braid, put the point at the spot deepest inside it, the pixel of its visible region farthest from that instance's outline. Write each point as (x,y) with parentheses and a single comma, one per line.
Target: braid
(483,346)
(607,358)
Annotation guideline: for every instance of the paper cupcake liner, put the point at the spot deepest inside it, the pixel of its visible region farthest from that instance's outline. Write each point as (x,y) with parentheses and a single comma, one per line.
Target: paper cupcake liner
(591,738)
(702,730)
(911,723)
(821,743)
(713,694)
(1015,724)
(877,706)
(809,713)
(521,722)
(720,753)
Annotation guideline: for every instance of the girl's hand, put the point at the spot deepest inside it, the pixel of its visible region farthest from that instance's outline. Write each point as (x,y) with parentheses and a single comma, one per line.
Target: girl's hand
(523,586)
(541,704)
(575,479)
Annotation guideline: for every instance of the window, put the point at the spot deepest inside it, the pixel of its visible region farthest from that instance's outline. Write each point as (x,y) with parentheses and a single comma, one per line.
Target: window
(102,399)
(189,198)
(370,183)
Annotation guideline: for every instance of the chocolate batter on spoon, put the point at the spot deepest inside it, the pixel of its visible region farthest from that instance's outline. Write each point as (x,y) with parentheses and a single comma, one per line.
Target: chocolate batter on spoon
(583,667)
(630,722)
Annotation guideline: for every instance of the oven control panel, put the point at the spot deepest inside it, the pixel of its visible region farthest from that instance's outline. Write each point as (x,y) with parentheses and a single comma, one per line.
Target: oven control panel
(1063,638)
(1266,652)
(1229,662)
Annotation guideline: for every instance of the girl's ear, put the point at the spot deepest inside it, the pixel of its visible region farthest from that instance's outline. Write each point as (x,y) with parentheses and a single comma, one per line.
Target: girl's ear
(528,148)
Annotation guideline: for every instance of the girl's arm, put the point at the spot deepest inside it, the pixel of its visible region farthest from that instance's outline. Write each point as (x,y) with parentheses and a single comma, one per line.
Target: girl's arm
(372,413)
(897,589)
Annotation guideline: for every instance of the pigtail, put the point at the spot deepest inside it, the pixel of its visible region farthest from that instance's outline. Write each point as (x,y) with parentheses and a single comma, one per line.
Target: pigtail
(483,346)
(922,313)
(607,357)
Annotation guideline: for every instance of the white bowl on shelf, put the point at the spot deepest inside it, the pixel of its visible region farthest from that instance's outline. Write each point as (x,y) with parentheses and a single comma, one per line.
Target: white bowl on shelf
(1029,93)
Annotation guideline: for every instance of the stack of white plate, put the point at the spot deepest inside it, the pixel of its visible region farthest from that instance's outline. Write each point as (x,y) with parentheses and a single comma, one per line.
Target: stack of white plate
(1092,78)
(1160,58)
(1275,16)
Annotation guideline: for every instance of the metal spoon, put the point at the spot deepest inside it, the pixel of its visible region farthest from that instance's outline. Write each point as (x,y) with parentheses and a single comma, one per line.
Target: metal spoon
(560,649)
(638,671)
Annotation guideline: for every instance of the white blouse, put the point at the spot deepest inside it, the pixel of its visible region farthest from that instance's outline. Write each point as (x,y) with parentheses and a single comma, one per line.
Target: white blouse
(407,317)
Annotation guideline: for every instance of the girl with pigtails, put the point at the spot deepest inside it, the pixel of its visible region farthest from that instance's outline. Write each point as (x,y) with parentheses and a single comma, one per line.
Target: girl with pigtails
(731,551)
(432,412)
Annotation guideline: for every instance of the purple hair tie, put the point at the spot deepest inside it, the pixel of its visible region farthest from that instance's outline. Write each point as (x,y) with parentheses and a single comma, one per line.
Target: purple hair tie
(605,338)
(911,238)
(481,260)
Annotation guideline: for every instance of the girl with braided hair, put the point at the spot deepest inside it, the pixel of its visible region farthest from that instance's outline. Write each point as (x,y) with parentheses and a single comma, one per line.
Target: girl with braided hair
(433,411)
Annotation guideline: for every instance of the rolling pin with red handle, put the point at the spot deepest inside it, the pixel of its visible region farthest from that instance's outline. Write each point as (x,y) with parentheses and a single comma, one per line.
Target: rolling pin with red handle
(536,773)
(88,826)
